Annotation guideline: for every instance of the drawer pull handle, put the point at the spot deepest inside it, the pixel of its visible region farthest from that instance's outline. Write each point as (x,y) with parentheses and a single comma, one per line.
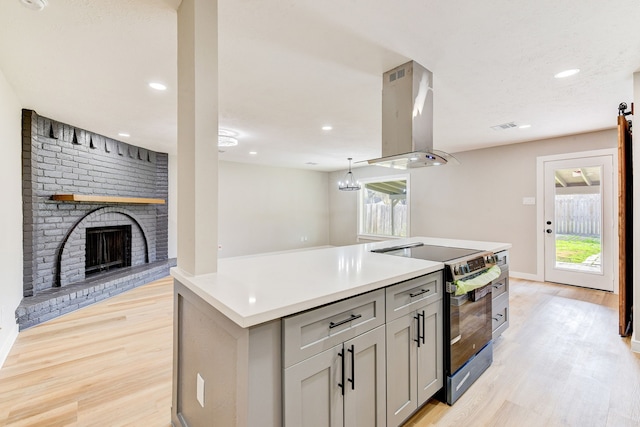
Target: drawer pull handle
(499,285)
(422,291)
(499,315)
(342,322)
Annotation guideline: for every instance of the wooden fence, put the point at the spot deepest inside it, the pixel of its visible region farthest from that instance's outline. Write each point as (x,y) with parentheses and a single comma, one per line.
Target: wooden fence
(377,219)
(579,214)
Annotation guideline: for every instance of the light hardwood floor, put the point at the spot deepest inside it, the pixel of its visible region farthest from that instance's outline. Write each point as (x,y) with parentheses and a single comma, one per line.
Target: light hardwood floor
(561,363)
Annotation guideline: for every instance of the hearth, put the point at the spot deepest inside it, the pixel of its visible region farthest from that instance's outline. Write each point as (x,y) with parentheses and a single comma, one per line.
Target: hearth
(107,248)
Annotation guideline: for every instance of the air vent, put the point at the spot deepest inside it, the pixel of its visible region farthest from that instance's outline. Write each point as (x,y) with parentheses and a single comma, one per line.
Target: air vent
(504,126)
(401,73)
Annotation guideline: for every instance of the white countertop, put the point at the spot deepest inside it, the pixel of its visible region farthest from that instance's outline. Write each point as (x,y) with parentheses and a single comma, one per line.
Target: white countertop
(255,289)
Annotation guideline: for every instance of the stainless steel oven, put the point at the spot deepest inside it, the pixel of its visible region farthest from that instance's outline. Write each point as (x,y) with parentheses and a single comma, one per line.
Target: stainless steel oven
(467,317)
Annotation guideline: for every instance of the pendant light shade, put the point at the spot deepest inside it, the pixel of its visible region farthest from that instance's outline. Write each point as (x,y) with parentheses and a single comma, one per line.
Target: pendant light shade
(349,183)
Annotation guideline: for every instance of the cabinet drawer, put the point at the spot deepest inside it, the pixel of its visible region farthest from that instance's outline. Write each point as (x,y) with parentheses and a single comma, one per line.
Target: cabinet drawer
(500,314)
(500,285)
(313,331)
(404,297)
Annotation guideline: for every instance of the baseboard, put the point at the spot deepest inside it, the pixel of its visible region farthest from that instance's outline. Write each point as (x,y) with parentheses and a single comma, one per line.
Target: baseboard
(5,347)
(526,276)
(635,344)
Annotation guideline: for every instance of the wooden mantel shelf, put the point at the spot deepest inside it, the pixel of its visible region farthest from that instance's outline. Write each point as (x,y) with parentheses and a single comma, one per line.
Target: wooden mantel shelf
(106,199)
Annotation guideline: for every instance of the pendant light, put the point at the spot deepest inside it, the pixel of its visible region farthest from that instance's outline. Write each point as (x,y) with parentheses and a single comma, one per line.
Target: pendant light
(349,183)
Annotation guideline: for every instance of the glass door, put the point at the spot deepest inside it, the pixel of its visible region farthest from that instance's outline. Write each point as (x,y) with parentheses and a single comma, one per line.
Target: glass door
(578,206)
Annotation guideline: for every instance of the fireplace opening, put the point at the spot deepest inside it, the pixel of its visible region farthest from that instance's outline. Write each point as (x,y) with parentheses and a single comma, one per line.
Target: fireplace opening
(107,248)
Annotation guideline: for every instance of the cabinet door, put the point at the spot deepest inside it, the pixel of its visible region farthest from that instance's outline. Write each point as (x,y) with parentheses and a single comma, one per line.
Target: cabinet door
(365,393)
(401,369)
(430,358)
(312,395)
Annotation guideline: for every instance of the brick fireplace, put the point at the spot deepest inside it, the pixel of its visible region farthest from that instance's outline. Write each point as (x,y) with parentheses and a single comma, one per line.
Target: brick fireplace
(95,218)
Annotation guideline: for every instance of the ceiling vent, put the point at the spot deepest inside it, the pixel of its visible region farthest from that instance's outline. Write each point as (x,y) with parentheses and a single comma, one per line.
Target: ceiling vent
(504,126)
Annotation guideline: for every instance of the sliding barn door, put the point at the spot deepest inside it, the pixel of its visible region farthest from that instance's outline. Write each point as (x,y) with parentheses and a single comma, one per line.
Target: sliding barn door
(625,224)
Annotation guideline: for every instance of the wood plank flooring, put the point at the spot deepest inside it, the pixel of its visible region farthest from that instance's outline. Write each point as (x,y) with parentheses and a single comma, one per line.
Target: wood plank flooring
(108,364)
(561,363)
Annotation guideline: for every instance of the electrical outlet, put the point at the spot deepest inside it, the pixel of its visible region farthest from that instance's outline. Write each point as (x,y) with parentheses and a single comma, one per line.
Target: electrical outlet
(200,390)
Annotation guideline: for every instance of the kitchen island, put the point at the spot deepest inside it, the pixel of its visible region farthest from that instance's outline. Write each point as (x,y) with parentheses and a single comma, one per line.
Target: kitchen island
(229,350)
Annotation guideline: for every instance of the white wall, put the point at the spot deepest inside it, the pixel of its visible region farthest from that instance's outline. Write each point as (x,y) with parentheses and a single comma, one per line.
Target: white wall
(10,215)
(267,209)
(480,199)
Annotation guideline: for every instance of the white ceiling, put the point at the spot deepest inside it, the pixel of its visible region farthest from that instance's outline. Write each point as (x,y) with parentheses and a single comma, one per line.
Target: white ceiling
(288,67)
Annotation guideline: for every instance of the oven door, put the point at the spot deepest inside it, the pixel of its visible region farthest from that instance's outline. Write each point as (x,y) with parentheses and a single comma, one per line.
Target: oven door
(469,326)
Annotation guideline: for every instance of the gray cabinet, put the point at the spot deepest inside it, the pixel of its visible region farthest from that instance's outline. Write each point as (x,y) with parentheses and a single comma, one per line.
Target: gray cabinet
(414,345)
(342,381)
(312,396)
(500,295)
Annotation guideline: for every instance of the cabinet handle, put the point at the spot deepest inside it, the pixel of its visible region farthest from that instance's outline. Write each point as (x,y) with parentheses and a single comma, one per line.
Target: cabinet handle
(499,285)
(423,327)
(499,315)
(422,291)
(352,380)
(341,384)
(342,322)
(417,317)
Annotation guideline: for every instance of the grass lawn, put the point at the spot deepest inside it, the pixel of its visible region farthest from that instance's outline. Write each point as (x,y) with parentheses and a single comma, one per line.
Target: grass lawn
(576,249)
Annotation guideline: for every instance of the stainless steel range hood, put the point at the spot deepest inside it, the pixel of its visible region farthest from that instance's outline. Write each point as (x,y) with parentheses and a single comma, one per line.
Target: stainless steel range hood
(407,119)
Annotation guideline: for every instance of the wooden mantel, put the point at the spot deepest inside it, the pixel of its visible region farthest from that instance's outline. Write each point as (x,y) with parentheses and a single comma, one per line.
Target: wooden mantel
(106,199)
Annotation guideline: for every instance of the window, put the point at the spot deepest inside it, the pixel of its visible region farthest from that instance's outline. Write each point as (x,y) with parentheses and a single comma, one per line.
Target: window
(383,209)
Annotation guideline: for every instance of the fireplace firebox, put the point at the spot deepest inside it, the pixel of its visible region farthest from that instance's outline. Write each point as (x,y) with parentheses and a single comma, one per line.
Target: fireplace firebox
(107,248)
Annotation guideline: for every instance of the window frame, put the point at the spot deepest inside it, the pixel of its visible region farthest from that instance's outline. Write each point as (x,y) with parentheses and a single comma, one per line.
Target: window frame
(361,195)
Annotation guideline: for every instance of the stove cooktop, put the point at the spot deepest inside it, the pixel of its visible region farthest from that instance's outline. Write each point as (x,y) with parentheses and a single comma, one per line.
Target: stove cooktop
(431,252)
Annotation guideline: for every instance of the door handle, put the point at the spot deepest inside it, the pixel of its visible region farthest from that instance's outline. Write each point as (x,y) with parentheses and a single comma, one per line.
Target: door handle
(417,317)
(352,380)
(341,384)
(549,231)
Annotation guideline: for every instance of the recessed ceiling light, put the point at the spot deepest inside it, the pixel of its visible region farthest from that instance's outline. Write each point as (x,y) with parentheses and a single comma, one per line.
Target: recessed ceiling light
(524,126)
(34,4)
(566,73)
(157,86)
(124,134)
(327,127)
(253,153)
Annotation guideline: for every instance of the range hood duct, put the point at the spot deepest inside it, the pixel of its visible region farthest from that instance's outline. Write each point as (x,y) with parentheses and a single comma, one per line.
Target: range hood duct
(407,119)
